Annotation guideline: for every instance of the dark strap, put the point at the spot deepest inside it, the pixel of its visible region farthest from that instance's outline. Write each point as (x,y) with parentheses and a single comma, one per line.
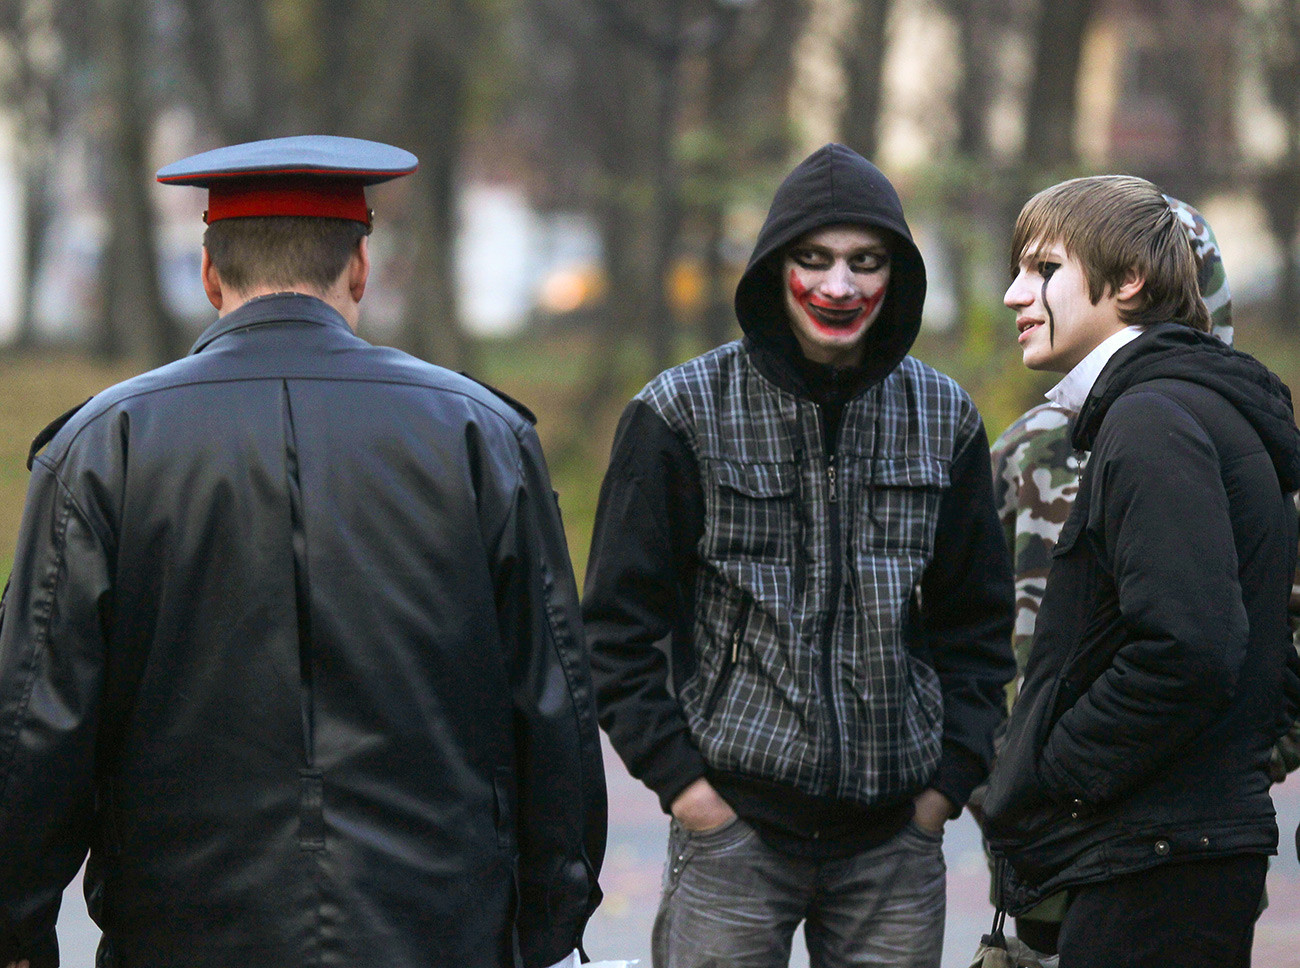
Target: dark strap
(996,938)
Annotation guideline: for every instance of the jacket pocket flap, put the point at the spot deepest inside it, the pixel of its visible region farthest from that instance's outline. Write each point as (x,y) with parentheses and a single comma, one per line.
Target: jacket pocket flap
(756,480)
(911,472)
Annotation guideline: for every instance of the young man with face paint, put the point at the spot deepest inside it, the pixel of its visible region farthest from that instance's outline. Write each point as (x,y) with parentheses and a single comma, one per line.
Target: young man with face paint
(1035,478)
(799,601)
(1135,771)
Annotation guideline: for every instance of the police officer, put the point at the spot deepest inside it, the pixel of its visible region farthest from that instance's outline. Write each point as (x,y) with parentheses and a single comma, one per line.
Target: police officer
(292,643)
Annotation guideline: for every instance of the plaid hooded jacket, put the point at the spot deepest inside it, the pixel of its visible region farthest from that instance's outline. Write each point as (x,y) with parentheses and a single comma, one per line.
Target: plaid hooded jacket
(820,549)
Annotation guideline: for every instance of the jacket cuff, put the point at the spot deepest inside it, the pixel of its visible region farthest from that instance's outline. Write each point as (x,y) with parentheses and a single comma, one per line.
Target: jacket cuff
(674,770)
(960,771)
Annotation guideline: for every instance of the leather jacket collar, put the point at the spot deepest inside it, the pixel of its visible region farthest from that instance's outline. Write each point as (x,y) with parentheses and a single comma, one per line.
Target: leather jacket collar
(278,307)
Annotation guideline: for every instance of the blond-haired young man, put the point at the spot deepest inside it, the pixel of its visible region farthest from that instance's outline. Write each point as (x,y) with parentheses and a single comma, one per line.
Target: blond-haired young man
(1135,771)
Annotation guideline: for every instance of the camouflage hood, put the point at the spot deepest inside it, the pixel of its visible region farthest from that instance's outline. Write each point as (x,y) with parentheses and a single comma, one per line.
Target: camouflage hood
(1211,278)
(834,186)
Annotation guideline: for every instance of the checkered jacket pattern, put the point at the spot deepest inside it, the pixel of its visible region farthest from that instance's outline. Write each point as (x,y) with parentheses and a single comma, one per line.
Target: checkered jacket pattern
(794,682)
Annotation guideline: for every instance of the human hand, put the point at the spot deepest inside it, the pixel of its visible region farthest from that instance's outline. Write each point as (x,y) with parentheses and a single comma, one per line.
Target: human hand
(932,810)
(699,808)
(20,964)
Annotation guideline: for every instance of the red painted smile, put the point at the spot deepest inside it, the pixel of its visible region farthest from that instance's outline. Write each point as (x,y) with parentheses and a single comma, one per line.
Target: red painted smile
(834,316)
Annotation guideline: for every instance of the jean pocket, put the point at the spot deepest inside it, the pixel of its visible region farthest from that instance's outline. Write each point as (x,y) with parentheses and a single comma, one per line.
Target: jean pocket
(713,835)
(920,833)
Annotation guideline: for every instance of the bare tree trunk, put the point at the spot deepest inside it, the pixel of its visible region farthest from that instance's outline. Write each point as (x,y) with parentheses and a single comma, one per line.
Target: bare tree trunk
(864,65)
(133,293)
(1279,24)
(239,74)
(661,321)
(748,72)
(614,118)
(431,328)
(1279,191)
(1053,90)
(36,224)
(974,88)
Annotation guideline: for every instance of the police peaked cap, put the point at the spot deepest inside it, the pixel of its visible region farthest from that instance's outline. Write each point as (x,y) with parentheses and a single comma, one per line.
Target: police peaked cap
(314,175)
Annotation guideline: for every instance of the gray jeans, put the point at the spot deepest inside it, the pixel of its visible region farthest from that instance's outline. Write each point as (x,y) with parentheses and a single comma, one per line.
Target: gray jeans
(730,901)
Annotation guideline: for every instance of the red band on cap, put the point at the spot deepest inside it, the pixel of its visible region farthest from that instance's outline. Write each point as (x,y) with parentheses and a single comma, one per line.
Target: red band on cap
(319,198)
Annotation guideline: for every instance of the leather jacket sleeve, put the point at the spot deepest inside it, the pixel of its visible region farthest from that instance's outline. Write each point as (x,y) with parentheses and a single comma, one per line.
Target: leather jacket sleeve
(561,782)
(49,711)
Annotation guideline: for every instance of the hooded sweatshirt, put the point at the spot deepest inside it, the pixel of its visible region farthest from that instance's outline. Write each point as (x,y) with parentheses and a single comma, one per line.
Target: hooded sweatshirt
(819,552)
(1155,688)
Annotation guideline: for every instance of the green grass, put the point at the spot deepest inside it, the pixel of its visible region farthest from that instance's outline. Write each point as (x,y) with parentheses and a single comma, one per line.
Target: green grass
(34,389)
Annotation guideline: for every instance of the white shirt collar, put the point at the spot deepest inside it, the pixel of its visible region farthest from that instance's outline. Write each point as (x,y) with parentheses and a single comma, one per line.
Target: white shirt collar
(1077,384)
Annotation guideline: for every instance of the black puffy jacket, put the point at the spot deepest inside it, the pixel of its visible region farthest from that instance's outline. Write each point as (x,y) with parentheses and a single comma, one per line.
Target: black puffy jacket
(292,646)
(1154,688)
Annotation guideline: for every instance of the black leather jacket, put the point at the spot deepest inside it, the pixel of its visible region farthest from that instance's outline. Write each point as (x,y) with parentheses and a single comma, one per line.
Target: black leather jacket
(292,646)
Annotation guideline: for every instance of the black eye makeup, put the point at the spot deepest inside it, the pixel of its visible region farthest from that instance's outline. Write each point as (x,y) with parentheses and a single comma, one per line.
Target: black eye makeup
(810,258)
(870,260)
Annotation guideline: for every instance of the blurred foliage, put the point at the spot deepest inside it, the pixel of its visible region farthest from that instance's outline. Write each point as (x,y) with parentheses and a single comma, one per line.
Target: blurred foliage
(547,372)
(667,123)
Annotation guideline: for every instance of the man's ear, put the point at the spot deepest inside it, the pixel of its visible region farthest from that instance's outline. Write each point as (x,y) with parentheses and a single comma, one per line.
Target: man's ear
(211,281)
(1130,286)
(359,269)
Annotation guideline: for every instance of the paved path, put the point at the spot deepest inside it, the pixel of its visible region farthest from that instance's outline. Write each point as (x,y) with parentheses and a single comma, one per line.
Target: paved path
(638,838)
(638,832)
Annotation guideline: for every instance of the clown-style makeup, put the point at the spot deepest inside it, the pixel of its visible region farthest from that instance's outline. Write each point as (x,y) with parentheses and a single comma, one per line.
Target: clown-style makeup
(835,283)
(1057,321)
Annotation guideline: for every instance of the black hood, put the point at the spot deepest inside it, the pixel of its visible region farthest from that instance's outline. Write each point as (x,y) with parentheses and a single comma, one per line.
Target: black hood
(1174,351)
(834,186)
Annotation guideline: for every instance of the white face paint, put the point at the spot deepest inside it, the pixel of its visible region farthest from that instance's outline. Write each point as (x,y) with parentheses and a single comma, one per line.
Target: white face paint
(835,283)
(1057,321)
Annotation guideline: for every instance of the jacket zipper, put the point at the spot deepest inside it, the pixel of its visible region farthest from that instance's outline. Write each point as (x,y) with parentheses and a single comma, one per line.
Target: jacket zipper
(724,677)
(833,609)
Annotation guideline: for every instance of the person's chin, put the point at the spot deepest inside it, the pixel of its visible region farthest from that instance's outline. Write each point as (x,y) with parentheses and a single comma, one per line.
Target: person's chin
(1037,361)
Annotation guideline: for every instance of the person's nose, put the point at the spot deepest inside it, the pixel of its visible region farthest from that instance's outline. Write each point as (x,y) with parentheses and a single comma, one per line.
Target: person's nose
(838,282)
(1019,294)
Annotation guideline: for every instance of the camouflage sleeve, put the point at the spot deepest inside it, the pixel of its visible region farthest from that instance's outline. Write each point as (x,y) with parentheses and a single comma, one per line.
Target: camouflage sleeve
(1006,480)
(1035,478)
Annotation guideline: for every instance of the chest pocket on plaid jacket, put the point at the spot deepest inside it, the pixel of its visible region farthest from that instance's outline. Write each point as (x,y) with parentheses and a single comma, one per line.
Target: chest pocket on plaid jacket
(751,511)
(900,504)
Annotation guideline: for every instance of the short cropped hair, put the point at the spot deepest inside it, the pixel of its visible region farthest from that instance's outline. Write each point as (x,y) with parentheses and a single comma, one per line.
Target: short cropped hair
(1113,224)
(281,250)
